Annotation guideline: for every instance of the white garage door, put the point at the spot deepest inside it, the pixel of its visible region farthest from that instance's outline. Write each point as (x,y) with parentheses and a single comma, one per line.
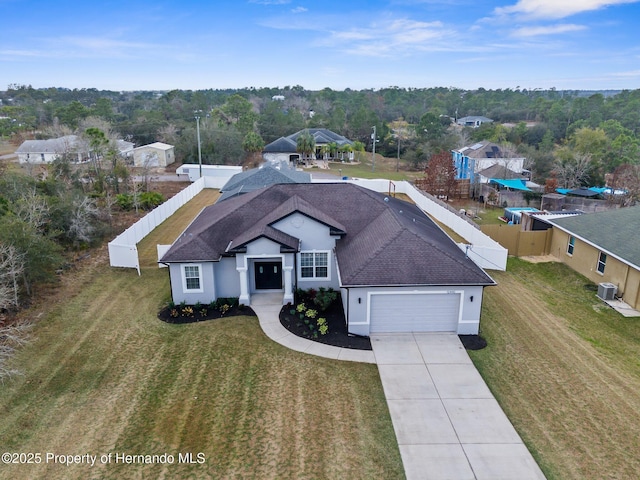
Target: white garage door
(415,312)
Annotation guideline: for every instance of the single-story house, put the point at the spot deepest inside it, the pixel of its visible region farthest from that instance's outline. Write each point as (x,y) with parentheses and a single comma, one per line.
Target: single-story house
(473,159)
(396,270)
(156,154)
(285,149)
(263,176)
(473,121)
(602,246)
(75,147)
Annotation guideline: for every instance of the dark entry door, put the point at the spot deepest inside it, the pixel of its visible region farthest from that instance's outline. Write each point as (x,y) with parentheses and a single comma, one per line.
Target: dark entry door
(268,275)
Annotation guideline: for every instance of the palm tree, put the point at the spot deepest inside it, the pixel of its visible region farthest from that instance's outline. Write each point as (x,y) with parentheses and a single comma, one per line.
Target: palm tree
(306,145)
(253,144)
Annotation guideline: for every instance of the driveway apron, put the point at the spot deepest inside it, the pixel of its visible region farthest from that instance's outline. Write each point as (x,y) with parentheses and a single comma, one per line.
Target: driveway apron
(447,422)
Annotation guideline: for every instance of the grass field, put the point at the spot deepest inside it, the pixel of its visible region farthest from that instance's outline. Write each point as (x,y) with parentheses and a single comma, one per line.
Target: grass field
(566,370)
(103,375)
(385,168)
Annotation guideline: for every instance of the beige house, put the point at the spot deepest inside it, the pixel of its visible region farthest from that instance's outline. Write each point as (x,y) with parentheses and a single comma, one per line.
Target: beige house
(156,154)
(604,247)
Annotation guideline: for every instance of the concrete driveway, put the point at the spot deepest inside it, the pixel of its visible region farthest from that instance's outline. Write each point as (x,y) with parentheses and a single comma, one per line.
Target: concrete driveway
(447,422)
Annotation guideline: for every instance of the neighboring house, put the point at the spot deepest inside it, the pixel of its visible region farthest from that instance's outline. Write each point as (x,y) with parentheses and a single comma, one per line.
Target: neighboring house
(156,154)
(473,121)
(285,149)
(473,159)
(603,247)
(502,172)
(72,146)
(396,270)
(263,176)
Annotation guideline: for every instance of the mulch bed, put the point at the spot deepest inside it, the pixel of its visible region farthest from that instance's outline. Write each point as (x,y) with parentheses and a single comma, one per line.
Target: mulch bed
(212,314)
(473,342)
(337,334)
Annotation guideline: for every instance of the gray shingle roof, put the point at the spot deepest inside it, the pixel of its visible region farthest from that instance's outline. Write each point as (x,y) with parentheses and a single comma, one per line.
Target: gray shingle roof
(264,176)
(322,136)
(614,231)
(65,144)
(384,241)
(500,172)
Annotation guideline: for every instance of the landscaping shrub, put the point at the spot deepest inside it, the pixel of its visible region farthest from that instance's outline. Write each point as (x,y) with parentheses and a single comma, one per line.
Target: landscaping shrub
(324,298)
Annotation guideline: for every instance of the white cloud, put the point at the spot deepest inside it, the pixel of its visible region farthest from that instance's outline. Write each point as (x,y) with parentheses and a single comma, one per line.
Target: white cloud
(547,30)
(299,10)
(629,74)
(555,9)
(19,53)
(396,37)
(270,2)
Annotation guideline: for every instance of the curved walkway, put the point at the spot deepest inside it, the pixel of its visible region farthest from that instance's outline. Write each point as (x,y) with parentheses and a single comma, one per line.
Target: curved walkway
(447,422)
(267,307)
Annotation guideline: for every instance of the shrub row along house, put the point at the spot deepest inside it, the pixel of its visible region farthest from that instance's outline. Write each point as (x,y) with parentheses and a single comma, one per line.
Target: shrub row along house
(395,268)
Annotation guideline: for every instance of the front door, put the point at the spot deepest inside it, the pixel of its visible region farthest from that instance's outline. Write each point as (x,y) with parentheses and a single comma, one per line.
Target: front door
(268,275)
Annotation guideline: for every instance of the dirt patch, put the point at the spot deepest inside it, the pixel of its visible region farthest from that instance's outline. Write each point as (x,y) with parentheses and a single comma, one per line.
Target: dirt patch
(539,258)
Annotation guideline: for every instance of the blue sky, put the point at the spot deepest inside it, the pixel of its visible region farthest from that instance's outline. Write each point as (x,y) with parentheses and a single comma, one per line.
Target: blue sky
(162,45)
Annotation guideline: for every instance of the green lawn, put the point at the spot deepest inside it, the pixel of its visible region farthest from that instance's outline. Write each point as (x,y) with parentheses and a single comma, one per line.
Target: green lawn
(565,369)
(104,376)
(384,168)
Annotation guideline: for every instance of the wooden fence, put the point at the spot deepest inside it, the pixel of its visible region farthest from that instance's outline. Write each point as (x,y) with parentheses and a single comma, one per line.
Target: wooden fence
(519,243)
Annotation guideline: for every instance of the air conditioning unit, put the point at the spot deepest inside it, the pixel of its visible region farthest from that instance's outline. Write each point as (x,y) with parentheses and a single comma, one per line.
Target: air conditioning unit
(607,291)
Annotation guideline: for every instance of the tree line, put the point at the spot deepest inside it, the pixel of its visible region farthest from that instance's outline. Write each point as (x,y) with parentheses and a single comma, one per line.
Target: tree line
(572,137)
(546,126)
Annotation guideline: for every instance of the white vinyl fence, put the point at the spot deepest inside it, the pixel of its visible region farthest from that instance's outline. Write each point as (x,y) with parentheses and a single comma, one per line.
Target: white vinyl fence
(482,249)
(486,252)
(122,249)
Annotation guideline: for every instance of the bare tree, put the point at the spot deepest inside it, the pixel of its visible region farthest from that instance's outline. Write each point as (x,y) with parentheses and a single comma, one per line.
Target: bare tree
(32,209)
(81,227)
(11,338)
(627,178)
(572,170)
(11,268)
(168,134)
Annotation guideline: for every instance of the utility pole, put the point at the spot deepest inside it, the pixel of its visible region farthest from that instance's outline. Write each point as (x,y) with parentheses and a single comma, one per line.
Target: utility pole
(397,135)
(373,151)
(197,115)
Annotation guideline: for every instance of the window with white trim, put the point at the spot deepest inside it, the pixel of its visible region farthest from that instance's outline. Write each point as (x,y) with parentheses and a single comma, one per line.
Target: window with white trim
(314,265)
(192,278)
(602,262)
(571,245)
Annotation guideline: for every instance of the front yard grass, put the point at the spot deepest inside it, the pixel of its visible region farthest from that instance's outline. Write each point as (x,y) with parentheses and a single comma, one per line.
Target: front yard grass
(104,375)
(565,369)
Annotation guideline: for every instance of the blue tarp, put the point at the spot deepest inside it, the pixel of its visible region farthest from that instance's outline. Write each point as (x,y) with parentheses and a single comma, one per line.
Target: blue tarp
(598,190)
(515,184)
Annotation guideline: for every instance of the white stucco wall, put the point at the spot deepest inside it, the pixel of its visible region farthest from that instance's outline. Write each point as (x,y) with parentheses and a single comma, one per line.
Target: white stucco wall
(208,286)
(227,278)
